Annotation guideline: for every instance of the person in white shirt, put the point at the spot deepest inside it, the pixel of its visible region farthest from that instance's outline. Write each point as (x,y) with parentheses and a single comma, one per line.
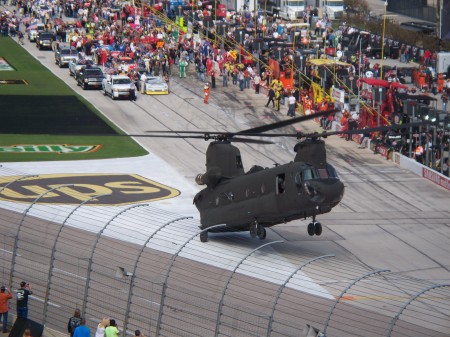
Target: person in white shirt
(143,79)
(257,80)
(291,102)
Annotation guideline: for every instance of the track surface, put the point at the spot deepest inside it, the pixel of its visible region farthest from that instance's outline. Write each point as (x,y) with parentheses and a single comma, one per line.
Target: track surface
(389,217)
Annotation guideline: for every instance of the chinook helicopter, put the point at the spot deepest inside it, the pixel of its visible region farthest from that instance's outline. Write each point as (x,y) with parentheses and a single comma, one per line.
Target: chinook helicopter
(264,197)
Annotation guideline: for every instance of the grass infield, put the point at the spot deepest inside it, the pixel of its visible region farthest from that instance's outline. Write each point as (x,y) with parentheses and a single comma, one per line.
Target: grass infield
(47,111)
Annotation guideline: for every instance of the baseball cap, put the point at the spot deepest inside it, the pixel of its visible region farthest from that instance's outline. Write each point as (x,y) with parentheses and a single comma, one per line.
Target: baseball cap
(3,288)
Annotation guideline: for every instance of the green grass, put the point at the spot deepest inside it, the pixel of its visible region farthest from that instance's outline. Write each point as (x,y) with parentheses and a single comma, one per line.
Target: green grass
(47,111)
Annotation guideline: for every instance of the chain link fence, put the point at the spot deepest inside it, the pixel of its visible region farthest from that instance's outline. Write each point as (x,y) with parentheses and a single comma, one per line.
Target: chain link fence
(147,269)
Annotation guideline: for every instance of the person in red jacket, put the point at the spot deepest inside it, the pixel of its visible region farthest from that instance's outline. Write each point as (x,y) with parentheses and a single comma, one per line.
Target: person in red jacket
(206,91)
(5,296)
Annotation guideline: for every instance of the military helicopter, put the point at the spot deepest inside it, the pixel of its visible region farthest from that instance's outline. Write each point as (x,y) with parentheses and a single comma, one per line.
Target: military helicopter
(264,197)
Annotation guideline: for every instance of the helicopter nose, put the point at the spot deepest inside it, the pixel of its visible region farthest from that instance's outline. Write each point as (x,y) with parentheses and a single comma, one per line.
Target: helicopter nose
(325,192)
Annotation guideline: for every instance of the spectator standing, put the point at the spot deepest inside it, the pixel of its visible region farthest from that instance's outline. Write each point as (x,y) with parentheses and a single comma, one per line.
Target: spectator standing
(82,330)
(246,79)
(138,333)
(224,81)
(5,296)
(74,322)
(143,79)
(183,65)
(112,330)
(241,80)
(206,91)
(22,299)
(100,332)
(257,80)
(444,101)
(291,102)
(271,98)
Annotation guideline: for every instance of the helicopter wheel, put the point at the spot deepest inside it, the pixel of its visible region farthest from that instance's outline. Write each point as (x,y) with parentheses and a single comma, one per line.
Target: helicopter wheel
(261,232)
(254,228)
(318,228)
(204,236)
(311,229)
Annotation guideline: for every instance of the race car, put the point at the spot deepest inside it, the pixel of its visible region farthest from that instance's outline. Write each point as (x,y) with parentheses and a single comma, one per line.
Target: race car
(155,85)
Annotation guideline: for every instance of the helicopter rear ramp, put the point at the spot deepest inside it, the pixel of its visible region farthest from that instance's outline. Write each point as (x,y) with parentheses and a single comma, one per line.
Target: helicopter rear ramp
(146,268)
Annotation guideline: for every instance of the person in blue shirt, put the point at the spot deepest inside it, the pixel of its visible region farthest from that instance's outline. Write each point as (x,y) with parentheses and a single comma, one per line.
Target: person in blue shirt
(82,330)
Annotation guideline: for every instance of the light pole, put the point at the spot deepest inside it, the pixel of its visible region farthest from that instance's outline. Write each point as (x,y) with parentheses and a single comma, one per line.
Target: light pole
(361,33)
(382,39)
(240,45)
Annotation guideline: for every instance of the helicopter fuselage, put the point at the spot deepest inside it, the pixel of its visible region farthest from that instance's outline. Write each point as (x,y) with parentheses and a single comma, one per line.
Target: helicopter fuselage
(270,196)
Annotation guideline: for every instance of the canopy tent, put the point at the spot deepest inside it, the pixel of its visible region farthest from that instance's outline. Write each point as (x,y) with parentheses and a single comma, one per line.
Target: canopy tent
(326,62)
(382,83)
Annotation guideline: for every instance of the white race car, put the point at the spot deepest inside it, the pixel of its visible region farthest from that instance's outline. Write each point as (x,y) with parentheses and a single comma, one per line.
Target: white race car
(155,85)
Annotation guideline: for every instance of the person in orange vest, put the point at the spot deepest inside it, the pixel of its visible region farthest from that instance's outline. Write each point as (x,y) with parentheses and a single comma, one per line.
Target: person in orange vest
(440,81)
(344,123)
(206,91)
(418,152)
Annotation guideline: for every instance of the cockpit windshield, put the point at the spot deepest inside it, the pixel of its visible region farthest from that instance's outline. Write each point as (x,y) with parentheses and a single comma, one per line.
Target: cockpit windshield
(311,173)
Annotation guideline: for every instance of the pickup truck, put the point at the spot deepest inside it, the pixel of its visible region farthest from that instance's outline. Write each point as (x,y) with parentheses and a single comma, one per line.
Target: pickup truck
(77,64)
(117,86)
(65,54)
(34,31)
(89,77)
(44,40)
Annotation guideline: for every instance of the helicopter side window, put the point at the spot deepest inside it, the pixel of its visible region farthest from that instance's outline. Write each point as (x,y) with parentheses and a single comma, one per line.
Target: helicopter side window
(280,183)
(298,181)
(239,162)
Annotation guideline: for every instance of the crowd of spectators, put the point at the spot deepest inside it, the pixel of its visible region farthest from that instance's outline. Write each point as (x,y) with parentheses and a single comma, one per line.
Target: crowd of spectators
(239,49)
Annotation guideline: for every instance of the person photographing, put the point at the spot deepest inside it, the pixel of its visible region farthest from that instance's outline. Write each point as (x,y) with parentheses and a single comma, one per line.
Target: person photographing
(22,299)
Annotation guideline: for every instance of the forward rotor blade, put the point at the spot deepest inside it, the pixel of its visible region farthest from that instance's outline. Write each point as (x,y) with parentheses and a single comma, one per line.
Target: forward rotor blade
(264,128)
(251,141)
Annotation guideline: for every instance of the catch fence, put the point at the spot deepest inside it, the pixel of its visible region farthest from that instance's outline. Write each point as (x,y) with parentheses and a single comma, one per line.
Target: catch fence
(147,269)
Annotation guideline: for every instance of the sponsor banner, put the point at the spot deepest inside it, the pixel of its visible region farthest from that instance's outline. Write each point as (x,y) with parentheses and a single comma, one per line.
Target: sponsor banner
(4,65)
(73,189)
(436,178)
(338,95)
(13,82)
(50,148)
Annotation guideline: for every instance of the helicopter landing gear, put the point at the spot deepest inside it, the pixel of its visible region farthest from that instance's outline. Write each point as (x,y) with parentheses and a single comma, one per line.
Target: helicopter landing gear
(204,236)
(257,230)
(261,232)
(314,228)
(253,230)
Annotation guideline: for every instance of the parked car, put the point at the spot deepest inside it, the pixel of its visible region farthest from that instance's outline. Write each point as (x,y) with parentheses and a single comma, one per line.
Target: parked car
(44,40)
(77,64)
(34,30)
(155,85)
(117,86)
(90,77)
(65,54)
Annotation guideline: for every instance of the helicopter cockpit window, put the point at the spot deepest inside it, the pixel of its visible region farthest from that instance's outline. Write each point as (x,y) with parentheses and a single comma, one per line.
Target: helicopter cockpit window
(310,173)
(328,172)
(280,183)
(331,171)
